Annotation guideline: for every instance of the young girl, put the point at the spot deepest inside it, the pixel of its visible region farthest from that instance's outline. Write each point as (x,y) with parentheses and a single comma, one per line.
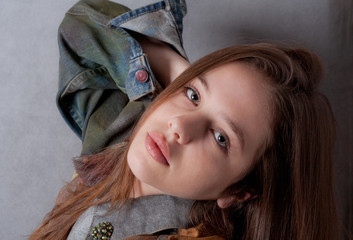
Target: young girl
(239,145)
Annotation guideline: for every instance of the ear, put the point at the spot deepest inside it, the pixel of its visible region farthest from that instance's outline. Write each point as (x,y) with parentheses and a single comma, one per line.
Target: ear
(226,202)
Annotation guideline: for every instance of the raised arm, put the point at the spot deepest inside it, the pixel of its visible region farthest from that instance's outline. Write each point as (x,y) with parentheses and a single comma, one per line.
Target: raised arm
(103,48)
(165,62)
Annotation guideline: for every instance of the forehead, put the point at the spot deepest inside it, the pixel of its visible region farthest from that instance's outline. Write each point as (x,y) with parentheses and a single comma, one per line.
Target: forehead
(239,92)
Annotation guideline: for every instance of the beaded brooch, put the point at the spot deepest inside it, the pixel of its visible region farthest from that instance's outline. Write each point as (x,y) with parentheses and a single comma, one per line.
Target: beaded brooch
(103,231)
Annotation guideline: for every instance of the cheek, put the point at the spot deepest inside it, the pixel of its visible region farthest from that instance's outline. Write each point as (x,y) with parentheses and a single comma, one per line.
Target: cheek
(137,158)
(219,172)
(208,173)
(134,158)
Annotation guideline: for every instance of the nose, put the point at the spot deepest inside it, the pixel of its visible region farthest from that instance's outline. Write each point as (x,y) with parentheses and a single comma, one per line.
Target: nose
(186,128)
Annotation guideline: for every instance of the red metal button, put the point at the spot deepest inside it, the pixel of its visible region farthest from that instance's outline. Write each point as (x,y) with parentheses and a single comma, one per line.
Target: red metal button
(141,75)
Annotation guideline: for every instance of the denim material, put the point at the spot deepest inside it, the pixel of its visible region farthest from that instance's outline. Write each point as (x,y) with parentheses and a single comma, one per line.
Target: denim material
(101,99)
(99,60)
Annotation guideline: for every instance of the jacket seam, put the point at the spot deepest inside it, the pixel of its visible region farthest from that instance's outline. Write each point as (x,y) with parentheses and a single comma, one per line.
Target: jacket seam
(175,23)
(91,225)
(136,15)
(78,81)
(82,11)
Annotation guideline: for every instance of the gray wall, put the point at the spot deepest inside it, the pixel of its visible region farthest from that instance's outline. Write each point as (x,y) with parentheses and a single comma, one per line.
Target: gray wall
(36,146)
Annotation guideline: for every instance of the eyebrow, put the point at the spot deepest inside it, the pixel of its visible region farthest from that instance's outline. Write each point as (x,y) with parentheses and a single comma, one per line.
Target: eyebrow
(236,129)
(204,83)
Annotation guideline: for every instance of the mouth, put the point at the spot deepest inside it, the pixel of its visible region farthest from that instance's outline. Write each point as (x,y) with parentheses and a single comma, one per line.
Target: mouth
(157,147)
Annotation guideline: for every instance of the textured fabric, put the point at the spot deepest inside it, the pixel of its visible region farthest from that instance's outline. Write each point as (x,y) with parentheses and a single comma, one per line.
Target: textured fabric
(140,216)
(196,233)
(99,95)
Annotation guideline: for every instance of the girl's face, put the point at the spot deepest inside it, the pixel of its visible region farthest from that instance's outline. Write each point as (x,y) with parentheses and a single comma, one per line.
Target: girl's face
(204,137)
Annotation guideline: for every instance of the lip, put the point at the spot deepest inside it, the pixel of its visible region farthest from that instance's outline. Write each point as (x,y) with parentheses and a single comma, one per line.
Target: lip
(157,147)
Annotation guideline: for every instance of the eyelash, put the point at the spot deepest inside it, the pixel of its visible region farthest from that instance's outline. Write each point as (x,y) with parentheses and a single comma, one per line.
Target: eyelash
(225,146)
(194,91)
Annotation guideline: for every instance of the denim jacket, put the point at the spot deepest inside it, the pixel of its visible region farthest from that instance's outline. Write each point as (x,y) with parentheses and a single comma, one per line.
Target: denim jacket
(105,80)
(105,85)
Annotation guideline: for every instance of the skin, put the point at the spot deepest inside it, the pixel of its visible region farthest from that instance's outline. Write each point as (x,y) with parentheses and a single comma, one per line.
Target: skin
(187,148)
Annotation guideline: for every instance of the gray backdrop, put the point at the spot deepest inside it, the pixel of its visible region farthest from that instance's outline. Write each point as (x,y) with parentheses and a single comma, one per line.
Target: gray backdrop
(36,146)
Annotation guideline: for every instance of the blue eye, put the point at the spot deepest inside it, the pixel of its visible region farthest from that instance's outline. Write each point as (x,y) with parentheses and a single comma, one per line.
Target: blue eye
(220,139)
(192,95)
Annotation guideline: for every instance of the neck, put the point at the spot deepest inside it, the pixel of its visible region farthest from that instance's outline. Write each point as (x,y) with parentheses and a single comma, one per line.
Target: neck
(140,189)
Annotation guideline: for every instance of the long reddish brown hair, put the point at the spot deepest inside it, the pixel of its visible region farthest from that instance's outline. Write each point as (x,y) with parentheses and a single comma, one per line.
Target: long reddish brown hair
(291,177)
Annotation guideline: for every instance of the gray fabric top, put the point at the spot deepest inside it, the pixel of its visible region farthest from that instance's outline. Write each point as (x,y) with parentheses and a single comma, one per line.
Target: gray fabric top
(145,215)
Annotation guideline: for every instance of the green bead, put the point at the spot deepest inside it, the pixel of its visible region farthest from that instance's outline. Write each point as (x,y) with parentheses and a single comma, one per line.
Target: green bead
(102,231)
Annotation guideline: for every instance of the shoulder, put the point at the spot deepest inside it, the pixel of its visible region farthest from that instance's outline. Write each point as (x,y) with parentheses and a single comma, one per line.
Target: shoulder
(139,216)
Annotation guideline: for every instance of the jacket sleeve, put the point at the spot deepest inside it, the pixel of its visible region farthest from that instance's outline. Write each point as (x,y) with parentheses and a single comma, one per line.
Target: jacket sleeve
(101,95)
(93,63)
